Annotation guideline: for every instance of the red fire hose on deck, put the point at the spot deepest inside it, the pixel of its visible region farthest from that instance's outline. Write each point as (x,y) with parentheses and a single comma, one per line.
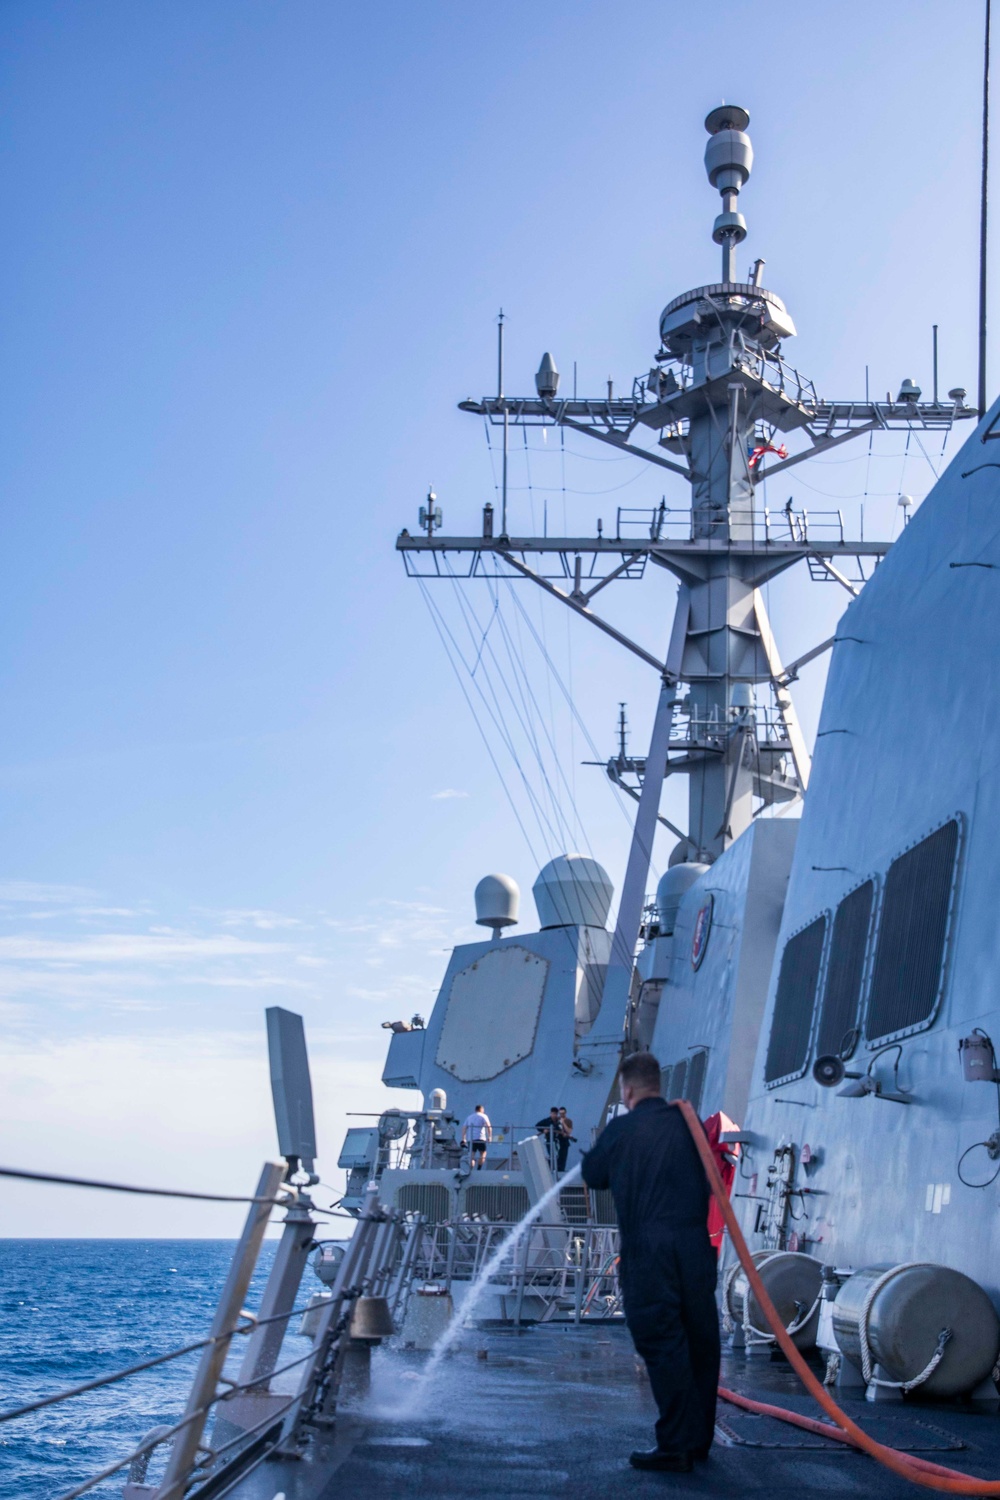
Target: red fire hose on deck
(917,1470)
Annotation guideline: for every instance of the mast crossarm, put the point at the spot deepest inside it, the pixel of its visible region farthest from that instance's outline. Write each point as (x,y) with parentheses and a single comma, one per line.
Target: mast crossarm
(607,421)
(636,547)
(836,422)
(617,441)
(581,609)
(532,411)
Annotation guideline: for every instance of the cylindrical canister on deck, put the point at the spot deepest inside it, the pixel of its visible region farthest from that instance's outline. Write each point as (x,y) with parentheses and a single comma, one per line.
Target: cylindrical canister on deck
(793,1281)
(908,1309)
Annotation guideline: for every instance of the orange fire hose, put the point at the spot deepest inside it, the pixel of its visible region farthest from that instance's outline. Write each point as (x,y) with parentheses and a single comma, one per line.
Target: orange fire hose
(764,1409)
(918,1471)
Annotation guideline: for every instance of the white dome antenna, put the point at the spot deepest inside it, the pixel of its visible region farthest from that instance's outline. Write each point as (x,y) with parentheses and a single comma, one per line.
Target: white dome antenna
(573,890)
(497,900)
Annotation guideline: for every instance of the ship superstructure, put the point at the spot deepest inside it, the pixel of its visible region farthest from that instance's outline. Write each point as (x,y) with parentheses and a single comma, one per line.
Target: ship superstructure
(876,1078)
(715,409)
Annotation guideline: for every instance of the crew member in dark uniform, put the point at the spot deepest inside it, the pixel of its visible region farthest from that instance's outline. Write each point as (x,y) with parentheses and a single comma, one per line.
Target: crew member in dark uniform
(668,1265)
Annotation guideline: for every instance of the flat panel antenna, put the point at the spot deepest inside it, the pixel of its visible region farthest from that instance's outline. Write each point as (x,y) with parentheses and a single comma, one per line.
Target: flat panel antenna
(291,1088)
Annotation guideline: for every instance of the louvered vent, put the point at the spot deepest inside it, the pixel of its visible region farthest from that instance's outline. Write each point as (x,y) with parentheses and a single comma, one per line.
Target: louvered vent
(838,1025)
(913,925)
(678,1079)
(791,1023)
(602,1206)
(497,1202)
(427,1198)
(696,1078)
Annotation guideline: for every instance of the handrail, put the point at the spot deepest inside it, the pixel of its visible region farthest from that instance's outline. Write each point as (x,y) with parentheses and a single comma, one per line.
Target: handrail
(121,1187)
(371,1267)
(148,1364)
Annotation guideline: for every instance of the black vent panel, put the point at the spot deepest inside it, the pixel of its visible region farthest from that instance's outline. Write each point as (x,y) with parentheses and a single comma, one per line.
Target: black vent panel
(798,978)
(602,1206)
(696,1078)
(845,972)
(678,1079)
(913,926)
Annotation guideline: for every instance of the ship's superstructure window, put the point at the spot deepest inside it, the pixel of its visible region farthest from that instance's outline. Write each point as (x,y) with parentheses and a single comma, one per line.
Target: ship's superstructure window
(838,1023)
(912,931)
(791,1024)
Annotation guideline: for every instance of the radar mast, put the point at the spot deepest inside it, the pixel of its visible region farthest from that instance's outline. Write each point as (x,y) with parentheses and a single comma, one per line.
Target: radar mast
(714,409)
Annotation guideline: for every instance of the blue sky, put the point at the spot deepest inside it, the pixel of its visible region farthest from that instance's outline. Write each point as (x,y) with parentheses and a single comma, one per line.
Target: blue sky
(253,258)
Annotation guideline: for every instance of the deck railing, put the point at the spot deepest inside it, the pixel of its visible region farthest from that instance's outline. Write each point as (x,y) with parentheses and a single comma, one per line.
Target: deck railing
(378,1262)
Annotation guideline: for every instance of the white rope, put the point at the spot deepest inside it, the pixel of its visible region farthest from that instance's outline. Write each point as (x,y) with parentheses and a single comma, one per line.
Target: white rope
(751,1333)
(867,1366)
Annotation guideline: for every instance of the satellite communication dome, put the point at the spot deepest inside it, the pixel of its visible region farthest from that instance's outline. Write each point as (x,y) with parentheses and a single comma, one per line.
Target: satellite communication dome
(573,890)
(671,889)
(497,898)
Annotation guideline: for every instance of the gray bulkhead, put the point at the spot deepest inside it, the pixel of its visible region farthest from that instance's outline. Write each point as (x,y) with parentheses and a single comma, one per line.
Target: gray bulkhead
(713,990)
(907,759)
(504,1026)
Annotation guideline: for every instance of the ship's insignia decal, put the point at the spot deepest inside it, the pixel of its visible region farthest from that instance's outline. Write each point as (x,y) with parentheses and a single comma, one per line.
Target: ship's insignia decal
(702,928)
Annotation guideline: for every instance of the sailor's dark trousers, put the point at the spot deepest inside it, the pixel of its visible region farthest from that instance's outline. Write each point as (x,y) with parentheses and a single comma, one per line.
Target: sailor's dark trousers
(668,1284)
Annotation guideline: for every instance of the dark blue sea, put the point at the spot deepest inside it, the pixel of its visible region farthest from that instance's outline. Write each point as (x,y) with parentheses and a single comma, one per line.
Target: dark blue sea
(74,1309)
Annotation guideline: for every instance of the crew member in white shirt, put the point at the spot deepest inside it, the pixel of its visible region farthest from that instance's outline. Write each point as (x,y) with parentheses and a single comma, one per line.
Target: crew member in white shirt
(477,1130)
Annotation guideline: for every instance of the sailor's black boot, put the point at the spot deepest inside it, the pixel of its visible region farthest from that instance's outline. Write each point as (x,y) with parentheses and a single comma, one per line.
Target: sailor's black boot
(659,1458)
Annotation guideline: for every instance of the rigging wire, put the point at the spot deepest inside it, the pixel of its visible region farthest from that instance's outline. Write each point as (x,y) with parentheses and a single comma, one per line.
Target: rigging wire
(439,627)
(548,735)
(550,834)
(529,720)
(575,716)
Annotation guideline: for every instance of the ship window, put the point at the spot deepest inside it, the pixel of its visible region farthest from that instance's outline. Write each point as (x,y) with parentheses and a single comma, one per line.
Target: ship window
(678,1078)
(798,978)
(913,927)
(838,1023)
(696,1078)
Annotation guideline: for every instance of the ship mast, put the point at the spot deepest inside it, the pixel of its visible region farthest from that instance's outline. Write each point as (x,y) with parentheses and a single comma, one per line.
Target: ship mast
(714,406)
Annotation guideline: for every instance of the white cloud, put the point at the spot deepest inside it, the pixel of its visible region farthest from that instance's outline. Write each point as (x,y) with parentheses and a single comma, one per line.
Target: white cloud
(447,794)
(156,947)
(264,921)
(38,893)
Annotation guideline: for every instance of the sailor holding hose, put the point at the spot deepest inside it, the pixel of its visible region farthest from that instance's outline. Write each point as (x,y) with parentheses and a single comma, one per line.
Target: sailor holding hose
(668,1265)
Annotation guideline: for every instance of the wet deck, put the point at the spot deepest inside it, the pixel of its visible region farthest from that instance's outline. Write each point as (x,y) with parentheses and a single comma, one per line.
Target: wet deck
(556,1411)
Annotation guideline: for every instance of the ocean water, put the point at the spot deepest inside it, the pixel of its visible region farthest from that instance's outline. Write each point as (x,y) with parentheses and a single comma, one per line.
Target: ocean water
(74,1309)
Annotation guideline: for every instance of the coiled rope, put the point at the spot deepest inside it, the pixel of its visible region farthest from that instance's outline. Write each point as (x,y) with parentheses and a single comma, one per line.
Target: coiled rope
(918,1471)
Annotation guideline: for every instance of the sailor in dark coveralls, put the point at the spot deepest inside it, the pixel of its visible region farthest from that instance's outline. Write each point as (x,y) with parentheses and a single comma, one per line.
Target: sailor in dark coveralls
(668,1266)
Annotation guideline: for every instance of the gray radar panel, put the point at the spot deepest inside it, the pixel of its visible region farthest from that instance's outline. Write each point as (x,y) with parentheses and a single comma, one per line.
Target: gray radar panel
(291,1088)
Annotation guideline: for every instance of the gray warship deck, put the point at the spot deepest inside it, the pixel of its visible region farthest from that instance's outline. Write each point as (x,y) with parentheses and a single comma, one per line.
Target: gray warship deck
(556,1411)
